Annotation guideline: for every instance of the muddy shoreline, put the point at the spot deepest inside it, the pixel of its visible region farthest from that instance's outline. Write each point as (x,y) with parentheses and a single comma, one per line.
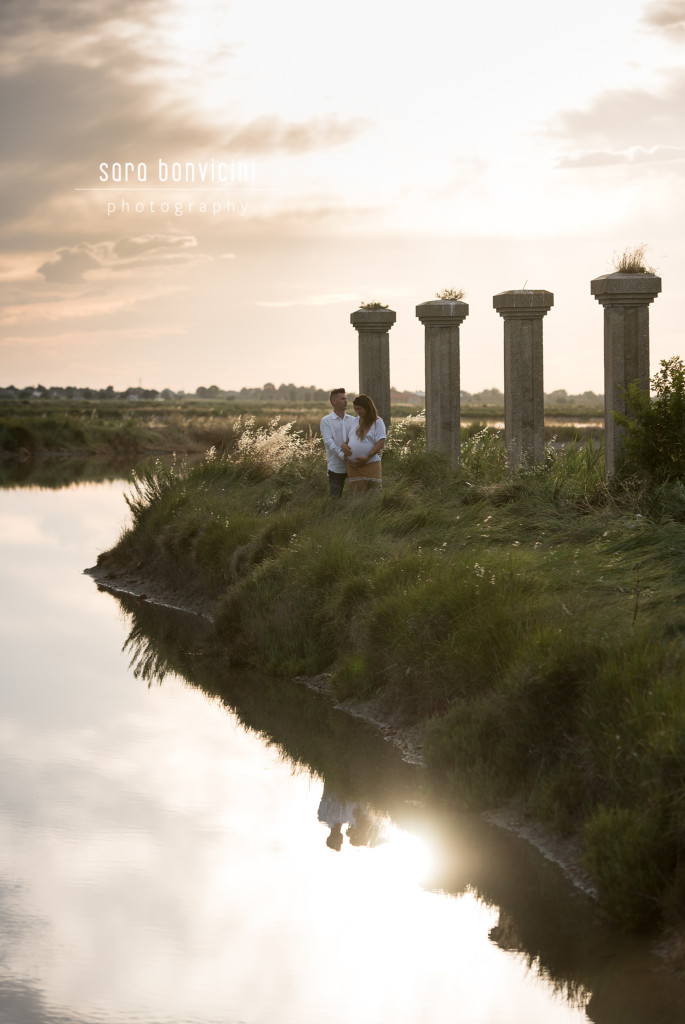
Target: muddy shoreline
(566,853)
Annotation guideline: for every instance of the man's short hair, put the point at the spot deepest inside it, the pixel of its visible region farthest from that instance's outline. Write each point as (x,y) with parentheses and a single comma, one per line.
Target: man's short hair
(337,391)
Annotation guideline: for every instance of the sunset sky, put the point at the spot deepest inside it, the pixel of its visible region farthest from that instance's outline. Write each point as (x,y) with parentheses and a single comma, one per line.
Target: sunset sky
(392,151)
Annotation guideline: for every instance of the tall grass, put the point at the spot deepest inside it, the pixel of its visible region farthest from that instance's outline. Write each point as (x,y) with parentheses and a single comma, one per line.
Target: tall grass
(531,620)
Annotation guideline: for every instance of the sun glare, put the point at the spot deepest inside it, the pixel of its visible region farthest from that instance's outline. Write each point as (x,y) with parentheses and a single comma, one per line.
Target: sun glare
(407,859)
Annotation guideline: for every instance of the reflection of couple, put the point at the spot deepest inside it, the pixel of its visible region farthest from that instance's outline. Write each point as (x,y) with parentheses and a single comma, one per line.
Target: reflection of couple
(335,813)
(353,446)
(363,827)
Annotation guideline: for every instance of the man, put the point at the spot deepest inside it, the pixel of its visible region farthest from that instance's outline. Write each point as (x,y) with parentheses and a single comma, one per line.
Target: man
(335,429)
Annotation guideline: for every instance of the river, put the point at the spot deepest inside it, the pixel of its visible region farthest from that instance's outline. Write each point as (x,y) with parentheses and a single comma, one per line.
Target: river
(169,844)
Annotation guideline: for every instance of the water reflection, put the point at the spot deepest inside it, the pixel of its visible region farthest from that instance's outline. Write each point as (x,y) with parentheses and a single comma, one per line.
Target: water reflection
(303,726)
(362,826)
(163,859)
(57,471)
(374,802)
(60,470)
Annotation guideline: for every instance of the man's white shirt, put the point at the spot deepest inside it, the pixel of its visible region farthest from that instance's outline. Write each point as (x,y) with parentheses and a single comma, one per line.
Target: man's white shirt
(335,431)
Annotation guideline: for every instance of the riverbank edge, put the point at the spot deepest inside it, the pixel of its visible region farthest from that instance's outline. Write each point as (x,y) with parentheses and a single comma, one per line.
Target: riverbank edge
(566,853)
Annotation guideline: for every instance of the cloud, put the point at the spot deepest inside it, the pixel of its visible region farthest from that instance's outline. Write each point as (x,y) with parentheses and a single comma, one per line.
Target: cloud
(37,17)
(60,122)
(635,155)
(130,247)
(83,83)
(70,265)
(271,134)
(667,16)
(333,298)
(625,126)
(82,306)
(93,334)
(312,300)
(38,30)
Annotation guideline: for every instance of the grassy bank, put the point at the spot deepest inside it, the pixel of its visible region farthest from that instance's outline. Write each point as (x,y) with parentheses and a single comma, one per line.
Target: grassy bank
(125,429)
(533,622)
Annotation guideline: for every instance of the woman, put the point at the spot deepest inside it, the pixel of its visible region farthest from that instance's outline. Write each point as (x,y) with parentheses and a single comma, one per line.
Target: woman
(363,447)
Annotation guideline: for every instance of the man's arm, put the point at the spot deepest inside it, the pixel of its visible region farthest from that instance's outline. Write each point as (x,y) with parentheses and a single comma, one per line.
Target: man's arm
(330,444)
(348,423)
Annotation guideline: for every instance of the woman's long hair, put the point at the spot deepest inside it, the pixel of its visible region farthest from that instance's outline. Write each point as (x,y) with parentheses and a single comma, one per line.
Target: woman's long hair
(367,416)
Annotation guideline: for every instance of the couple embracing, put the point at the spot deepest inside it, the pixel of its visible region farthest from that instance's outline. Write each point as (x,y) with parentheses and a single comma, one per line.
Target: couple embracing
(353,446)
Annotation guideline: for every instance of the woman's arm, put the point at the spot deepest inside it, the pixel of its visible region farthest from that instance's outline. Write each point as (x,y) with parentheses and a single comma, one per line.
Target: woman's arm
(361,459)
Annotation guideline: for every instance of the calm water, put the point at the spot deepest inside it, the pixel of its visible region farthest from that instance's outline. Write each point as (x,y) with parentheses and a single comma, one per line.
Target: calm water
(162,857)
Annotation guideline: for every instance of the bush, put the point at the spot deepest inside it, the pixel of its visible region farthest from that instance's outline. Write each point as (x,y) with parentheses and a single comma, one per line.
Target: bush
(654,443)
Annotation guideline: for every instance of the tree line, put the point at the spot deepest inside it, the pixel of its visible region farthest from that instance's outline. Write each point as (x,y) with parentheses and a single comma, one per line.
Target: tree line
(283,393)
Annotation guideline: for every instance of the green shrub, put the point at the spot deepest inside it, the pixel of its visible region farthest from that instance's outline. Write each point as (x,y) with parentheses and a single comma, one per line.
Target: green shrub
(654,441)
(516,728)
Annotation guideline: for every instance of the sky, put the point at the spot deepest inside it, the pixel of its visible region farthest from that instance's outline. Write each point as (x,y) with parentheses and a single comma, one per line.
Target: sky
(360,152)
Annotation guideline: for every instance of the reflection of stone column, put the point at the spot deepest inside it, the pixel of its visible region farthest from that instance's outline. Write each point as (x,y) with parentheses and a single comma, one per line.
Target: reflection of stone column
(442,319)
(524,397)
(373,326)
(626,299)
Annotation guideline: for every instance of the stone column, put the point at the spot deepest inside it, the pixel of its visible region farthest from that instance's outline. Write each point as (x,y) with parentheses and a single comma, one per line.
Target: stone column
(524,397)
(373,326)
(442,319)
(626,299)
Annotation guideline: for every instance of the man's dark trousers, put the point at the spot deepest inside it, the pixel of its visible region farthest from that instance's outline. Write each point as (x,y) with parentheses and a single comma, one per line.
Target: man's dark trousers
(335,483)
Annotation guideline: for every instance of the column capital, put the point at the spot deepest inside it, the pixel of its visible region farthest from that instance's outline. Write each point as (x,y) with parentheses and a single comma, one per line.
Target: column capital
(373,321)
(442,312)
(523,303)
(621,289)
